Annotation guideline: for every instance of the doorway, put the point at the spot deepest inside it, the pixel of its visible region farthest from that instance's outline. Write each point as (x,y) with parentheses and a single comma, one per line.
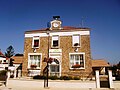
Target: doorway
(54,68)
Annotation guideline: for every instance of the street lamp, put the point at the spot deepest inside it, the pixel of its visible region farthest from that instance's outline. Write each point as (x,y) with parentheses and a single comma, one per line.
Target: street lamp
(47,61)
(48,33)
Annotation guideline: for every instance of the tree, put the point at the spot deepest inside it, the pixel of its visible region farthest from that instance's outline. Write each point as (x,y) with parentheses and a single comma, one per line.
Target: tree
(11,62)
(116,69)
(118,65)
(9,53)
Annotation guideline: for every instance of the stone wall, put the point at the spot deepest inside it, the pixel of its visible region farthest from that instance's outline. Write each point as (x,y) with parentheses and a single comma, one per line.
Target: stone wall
(66,46)
(28,49)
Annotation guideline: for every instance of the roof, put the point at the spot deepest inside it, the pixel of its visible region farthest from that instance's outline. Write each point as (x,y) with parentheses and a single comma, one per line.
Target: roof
(18,59)
(1,54)
(100,63)
(64,29)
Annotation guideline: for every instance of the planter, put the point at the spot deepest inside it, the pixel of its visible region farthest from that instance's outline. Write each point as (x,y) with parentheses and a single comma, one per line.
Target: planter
(77,66)
(33,66)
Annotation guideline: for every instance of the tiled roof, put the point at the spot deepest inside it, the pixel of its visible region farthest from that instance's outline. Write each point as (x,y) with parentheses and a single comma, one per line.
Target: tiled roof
(18,59)
(100,63)
(1,54)
(65,28)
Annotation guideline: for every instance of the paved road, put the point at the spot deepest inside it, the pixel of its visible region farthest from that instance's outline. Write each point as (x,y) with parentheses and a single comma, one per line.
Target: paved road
(53,85)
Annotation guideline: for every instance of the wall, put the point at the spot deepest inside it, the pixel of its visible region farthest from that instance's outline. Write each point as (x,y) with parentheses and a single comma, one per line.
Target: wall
(66,46)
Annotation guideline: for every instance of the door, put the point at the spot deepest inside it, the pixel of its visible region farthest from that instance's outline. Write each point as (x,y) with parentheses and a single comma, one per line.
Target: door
(54,68)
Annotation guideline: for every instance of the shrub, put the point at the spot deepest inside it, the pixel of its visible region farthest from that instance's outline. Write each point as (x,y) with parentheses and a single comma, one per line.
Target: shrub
(3,73)
(12,76)
(53,77)
(38,77)
(76,78)
(65,78)
(61,77)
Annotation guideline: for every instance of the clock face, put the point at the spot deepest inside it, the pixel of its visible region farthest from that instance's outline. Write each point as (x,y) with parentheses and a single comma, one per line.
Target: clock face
(55,24)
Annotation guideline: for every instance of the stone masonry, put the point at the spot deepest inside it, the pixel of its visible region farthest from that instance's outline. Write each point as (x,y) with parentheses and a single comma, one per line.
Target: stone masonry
(66,46)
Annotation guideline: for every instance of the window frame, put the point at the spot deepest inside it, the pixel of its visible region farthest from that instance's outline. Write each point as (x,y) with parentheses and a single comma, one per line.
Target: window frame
(70,66)
(58,41)
(29,60)
(35,38)
(78,40)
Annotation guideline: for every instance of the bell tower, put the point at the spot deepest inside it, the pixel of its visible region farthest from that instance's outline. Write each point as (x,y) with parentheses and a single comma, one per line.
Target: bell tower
(55,24)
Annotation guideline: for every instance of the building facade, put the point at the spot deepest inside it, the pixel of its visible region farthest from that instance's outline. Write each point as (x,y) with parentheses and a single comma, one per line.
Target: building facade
(68,47)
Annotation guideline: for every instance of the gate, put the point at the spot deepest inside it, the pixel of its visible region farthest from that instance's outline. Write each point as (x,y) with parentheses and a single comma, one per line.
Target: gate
(104,81)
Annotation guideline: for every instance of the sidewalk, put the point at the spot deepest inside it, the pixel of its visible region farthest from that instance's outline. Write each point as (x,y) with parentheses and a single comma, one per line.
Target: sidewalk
(21,84)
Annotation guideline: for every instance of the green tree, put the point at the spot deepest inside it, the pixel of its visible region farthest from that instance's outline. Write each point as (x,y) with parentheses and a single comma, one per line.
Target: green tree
(115,68)
(118,65)
(9,53)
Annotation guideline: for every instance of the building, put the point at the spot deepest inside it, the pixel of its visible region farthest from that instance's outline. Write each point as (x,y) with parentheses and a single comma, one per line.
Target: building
(16,69)
(3,61)
(67,47)
(101,65)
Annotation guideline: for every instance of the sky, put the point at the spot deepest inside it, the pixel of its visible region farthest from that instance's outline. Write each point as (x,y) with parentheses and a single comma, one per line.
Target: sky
(102,16)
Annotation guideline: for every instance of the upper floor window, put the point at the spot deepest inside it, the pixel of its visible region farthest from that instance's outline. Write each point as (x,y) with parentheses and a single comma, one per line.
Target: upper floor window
(77,60)
(35,43)
(55,41)
(76,40)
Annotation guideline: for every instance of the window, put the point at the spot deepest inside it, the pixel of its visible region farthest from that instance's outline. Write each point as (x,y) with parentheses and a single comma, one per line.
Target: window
(34,61)
(55,41)
(54,68)
(35,42)
(4,61)
(77,60)
(76,40)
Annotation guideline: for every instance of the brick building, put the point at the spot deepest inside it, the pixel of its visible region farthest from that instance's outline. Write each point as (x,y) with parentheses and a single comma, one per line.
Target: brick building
(69,48)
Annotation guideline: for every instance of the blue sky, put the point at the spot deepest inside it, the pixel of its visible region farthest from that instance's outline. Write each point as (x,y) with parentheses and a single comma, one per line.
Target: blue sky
(102,16)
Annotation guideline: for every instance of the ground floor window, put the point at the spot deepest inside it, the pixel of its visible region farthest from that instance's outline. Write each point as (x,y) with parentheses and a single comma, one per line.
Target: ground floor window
(34,60)
(77,60)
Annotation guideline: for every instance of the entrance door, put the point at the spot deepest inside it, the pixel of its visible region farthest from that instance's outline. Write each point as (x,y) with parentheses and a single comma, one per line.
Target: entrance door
(54,68)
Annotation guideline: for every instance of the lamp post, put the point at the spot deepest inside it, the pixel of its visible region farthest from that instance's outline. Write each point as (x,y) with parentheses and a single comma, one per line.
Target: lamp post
(48,33)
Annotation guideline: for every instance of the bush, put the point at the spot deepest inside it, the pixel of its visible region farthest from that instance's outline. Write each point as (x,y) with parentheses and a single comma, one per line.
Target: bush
(61,77)
(76,78)
(65,78)
(53,77)
(38,77)
(12,76)
(3,73)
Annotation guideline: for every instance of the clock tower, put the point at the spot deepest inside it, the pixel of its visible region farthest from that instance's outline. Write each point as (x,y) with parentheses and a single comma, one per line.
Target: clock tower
(55,24)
